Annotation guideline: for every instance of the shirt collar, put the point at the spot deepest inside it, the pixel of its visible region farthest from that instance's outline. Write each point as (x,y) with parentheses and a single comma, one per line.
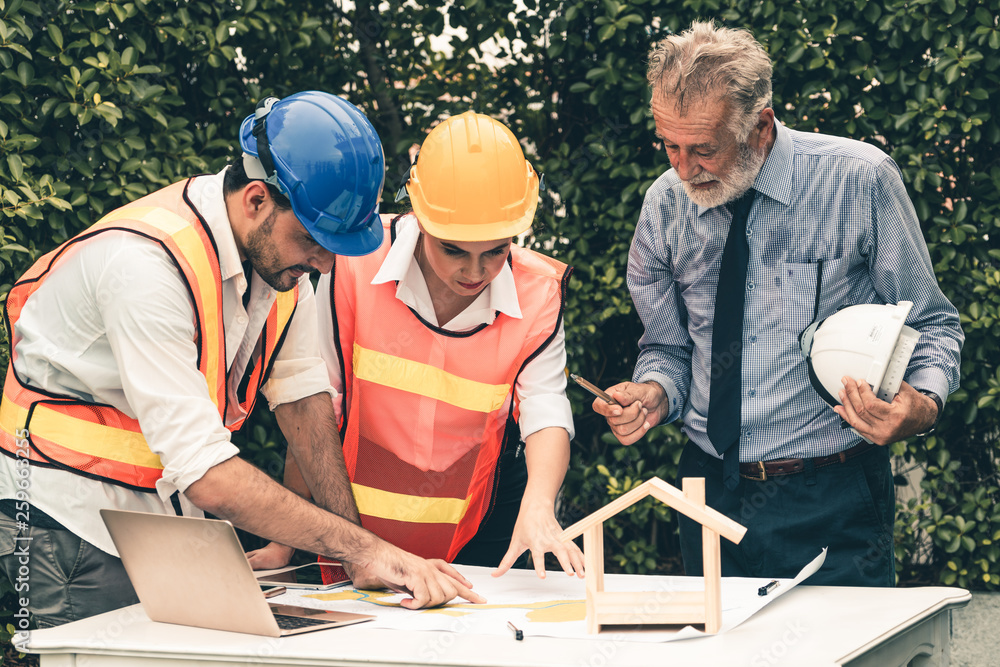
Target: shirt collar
(775,176)
(400,266)
(205,194)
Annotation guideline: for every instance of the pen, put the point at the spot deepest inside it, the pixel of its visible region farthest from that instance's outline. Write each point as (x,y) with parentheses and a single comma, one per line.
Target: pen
(271,592)
(764,590)
(593,389)
(518,635)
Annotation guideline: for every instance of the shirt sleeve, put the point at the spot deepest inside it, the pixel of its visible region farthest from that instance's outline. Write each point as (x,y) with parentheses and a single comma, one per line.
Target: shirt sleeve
(149,324)
(298,371)
(541,390)
(665,346)
(901,270)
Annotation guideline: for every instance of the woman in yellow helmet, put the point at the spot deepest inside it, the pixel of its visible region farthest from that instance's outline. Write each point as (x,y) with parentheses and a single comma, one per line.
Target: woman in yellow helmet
(447,349)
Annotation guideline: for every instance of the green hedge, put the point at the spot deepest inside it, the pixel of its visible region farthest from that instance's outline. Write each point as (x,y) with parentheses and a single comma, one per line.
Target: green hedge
(101,102)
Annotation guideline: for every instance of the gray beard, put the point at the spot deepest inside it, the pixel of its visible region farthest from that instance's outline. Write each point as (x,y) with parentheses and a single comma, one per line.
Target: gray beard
(744,173)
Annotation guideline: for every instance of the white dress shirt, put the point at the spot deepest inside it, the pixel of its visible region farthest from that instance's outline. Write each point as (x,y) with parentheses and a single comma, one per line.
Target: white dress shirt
(114,324)
(541,387)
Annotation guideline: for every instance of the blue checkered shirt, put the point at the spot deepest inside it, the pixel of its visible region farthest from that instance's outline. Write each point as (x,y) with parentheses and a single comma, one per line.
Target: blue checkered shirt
(819,197)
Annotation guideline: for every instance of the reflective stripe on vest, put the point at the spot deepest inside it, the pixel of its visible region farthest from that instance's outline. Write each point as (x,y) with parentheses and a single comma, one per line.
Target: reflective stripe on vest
(415,509)
(417,378)
(99,441)
(427,410)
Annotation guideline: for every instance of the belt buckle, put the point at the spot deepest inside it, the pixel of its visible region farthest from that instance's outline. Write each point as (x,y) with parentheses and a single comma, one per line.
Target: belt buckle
(763,474)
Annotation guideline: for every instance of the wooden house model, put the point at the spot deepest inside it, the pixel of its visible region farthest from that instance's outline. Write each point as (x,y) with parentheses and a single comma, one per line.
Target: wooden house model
(684,607)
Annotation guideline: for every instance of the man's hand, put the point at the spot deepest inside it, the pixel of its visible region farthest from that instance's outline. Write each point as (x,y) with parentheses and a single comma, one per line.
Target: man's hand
(362,577)
(640,407)
(909,413)
(270,557)
(429,582)
(236,491)
(537,529)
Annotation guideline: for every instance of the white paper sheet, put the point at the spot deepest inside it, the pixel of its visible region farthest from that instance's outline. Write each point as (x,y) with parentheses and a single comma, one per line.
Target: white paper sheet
(553,607)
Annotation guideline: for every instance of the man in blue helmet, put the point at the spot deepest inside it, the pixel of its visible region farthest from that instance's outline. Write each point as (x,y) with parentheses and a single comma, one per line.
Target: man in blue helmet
(140,344)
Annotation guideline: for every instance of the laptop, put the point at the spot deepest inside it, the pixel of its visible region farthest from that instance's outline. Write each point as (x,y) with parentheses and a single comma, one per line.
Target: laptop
(192,571)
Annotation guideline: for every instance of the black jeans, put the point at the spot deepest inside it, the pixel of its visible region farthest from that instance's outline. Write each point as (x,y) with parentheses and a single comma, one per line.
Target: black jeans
(848,507)
(488,546)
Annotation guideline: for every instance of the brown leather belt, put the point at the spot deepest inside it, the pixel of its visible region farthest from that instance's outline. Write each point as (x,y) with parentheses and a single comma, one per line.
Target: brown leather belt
(759,471)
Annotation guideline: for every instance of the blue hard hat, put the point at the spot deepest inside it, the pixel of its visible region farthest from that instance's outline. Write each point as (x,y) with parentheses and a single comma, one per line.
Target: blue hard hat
(323,154)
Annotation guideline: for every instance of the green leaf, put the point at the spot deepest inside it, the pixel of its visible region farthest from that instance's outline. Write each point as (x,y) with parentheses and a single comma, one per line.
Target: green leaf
(19,49)
(952,74)
(15,165)
(137,41)
(961,210)
(25,73)
(134,142)
(55,34)
(795,53)
(872,12)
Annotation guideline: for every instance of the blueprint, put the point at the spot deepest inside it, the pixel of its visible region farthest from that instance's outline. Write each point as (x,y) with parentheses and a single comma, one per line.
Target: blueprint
(553,607)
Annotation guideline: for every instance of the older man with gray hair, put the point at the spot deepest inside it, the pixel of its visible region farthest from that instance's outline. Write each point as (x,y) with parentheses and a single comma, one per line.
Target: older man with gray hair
(756,232)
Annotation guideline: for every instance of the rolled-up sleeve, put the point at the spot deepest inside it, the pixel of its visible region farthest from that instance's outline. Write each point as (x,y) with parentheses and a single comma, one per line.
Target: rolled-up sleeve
(541,389)
(151,332)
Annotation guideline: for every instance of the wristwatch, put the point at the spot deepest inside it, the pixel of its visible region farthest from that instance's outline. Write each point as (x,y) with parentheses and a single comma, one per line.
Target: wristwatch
(940,406)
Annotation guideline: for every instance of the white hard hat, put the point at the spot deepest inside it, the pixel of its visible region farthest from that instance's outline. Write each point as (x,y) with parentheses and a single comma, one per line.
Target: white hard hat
(868,342)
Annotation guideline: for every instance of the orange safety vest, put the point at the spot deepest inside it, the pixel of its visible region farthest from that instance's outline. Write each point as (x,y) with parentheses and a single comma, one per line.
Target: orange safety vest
(426,409)
(99,441)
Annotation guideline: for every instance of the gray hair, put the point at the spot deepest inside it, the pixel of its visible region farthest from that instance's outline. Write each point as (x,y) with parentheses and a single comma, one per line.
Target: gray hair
(705,61)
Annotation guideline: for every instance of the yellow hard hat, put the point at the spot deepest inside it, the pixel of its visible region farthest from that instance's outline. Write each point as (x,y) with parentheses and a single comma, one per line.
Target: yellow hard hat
(471,182)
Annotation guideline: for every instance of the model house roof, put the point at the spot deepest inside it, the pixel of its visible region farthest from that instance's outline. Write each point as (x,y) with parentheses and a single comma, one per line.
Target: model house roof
(668,495)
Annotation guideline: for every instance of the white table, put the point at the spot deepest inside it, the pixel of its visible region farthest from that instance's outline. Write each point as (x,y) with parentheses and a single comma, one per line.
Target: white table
(811,625)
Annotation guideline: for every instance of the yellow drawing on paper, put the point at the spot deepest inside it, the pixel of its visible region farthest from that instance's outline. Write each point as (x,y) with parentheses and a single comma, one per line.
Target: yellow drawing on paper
(549,611)
(559,612)
(354,595)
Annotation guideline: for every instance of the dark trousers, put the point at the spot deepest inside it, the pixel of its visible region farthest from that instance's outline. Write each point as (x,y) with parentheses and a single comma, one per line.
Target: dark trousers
(848,507)
(488,546)
(63,577)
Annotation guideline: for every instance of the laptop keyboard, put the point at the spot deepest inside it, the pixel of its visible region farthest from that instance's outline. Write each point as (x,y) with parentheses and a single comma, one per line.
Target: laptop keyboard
(296,622)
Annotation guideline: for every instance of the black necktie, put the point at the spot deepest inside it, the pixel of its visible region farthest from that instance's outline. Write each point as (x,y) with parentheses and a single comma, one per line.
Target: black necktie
(248,275)
(727,343)
(241,391)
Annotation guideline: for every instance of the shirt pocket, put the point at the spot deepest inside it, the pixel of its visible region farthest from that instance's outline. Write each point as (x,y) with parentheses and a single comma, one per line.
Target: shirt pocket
(799,295)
